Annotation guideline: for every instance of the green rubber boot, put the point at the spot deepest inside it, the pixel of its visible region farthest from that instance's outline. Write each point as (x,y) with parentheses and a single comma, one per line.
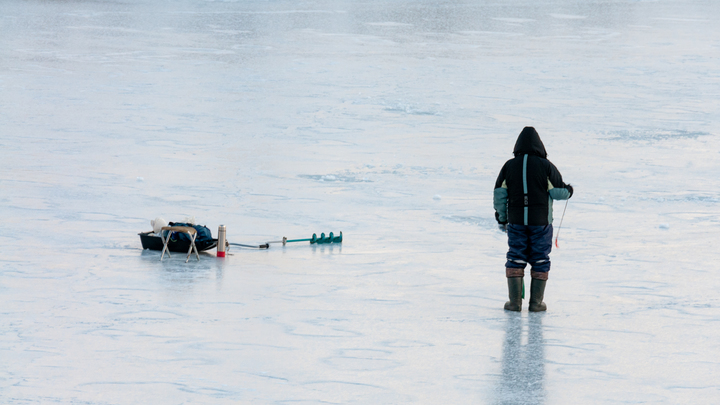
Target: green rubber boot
(537,291)
(515,294)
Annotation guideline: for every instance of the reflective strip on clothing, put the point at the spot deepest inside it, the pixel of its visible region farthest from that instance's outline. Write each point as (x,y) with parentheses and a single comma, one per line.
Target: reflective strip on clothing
(525,191)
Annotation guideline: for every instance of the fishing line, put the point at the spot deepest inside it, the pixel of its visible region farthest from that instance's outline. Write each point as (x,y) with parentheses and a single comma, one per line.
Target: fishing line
(561,221)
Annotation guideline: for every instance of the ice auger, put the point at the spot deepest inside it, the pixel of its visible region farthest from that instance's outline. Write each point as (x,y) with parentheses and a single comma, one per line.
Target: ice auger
(223,245)
(331,238)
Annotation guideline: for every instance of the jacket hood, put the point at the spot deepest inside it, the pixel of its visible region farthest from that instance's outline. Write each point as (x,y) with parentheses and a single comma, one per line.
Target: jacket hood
(529,143)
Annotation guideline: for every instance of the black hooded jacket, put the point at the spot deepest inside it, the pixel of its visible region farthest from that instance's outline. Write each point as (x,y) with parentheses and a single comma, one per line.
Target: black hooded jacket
(528,184)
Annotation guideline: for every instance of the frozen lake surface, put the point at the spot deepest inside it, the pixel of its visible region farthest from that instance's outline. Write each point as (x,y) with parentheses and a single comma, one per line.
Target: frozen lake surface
(388,121)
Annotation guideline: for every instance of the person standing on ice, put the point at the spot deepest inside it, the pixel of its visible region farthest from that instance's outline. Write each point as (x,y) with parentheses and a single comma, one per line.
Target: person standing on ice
(523,199)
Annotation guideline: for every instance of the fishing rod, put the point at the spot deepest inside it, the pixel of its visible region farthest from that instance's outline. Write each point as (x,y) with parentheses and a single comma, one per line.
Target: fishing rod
(561,221)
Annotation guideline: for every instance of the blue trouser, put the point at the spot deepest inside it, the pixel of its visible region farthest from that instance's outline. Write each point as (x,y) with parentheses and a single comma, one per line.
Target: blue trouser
(529,244)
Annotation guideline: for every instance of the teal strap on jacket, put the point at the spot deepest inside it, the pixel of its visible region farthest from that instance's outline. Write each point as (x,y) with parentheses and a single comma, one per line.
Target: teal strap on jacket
(525,189)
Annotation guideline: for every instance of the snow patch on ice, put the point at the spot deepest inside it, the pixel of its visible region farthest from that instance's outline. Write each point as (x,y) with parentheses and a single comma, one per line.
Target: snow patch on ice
(513,20)
(652,135)
(567,16)
(336,178)
(483,222)
(677,19)
(411,109)
(494,33)
(389,24)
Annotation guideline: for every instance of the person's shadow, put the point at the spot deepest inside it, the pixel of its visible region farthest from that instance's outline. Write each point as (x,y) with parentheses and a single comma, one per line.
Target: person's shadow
(523,365)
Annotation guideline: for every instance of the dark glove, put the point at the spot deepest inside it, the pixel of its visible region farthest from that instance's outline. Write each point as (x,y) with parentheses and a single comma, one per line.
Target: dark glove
(502,225)
(570,189)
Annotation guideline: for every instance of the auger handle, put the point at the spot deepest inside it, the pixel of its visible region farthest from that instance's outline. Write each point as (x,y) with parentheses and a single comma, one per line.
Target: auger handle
(265,246)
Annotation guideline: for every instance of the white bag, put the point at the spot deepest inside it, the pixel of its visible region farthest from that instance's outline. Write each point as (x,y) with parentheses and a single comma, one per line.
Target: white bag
(157,224)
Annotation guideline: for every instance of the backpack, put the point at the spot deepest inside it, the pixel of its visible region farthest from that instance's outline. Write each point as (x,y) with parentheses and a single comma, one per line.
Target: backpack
(203,233)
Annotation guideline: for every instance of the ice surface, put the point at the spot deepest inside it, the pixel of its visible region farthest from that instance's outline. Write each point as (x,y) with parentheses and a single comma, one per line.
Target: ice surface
(281,118)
